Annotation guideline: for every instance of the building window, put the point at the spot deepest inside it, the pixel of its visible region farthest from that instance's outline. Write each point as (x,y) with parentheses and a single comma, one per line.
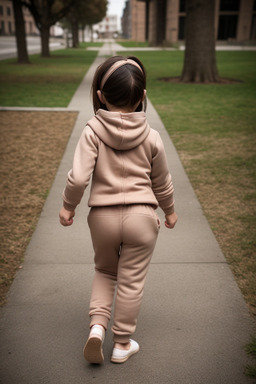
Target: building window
(227,27)
(8,11)
(182,5)
(181,35)
(2,28)
(229,5)
(253,29)
(10,27)
(1,10)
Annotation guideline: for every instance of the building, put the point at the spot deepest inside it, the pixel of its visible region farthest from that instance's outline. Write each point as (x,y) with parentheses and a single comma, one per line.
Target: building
(134,20)
(163,21)
(126,21)
(7,23)
(107,28)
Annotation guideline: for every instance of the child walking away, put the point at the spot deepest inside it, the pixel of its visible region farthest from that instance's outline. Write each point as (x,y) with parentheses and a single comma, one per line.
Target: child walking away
(130,178)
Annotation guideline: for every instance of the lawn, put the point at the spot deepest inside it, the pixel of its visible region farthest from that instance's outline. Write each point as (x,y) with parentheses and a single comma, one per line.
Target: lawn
(213,128)
(48,82)
(132,44)
(91,44)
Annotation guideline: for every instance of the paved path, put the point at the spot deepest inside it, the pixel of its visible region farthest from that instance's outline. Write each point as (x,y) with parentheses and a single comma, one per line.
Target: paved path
(193,322)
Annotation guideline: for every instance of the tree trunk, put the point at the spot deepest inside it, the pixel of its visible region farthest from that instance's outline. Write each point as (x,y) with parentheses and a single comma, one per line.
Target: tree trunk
(200,61)
(91,30)
(20,33)
(75,37)
(45,37)
(83,28)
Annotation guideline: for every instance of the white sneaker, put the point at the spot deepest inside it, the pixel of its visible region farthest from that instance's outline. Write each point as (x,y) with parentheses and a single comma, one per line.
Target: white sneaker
(93,348)
(121,355)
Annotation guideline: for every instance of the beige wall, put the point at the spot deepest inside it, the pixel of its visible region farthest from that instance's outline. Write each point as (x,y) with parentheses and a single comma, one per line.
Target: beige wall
(138,20)
(172,22)
(244,20)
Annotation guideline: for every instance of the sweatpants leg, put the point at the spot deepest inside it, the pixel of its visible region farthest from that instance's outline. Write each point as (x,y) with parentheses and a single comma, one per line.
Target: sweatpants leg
(124,238)
(140,229)
(105,230)
(103,289)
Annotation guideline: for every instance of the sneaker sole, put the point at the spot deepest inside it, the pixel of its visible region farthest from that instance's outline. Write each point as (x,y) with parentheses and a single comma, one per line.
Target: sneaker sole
(93,351)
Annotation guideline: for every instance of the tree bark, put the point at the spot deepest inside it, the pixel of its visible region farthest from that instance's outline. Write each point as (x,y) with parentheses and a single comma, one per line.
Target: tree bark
(75,37)
(200,59)
(91,31)
(45,37)
(82,29)
(20,33)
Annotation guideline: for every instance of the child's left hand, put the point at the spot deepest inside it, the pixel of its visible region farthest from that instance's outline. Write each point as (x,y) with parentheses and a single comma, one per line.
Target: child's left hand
(66,217)
(171,220)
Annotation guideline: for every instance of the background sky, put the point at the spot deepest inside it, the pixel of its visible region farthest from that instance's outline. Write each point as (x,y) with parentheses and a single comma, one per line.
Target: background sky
(115,7)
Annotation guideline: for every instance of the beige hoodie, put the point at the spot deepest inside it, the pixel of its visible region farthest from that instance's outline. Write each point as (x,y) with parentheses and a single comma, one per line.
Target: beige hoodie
(126,160)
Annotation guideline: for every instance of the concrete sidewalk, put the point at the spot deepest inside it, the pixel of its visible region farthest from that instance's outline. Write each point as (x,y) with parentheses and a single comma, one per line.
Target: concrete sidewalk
(193,323)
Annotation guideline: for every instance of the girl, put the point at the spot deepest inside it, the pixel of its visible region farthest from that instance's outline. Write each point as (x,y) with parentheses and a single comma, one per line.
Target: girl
(130,178)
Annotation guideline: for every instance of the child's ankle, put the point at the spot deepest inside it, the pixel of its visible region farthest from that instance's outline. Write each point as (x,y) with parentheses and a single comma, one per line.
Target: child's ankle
(98,325)
(122,346)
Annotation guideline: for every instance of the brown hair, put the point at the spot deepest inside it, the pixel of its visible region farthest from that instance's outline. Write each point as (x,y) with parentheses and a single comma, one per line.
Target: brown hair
(124,87)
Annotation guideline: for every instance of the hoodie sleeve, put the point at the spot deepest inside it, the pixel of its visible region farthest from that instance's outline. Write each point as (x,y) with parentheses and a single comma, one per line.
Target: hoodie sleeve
(161,178)
(83,165)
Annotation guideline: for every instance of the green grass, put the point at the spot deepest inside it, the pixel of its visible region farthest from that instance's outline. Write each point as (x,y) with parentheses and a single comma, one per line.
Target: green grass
(196,101)
(250,369)
(132,44)
(45,82)
(213,128)
(90,44)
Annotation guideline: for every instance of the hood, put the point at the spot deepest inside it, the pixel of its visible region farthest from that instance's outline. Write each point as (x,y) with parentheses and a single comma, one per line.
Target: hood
(118,130)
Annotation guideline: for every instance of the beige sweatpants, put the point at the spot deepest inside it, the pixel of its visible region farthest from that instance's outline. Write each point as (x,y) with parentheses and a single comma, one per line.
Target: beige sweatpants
(123,238)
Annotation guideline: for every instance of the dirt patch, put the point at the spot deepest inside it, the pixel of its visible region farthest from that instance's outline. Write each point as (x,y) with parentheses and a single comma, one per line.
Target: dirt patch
(32,145)
(176,80)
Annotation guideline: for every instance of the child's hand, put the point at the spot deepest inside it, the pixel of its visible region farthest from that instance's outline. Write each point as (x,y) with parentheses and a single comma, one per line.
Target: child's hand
(171,220)
(66,217)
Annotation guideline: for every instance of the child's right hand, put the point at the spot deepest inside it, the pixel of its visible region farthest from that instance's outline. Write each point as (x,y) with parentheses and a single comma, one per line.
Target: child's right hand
(66,217)
(171,220)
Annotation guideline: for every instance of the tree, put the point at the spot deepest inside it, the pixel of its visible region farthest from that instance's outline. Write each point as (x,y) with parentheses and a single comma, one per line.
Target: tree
(20,33)
(73,20)
(96,11)
(46,13)
(200,61)
(84,13)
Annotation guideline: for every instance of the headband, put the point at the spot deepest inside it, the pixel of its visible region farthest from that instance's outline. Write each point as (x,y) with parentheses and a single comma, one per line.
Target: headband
(115,66)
